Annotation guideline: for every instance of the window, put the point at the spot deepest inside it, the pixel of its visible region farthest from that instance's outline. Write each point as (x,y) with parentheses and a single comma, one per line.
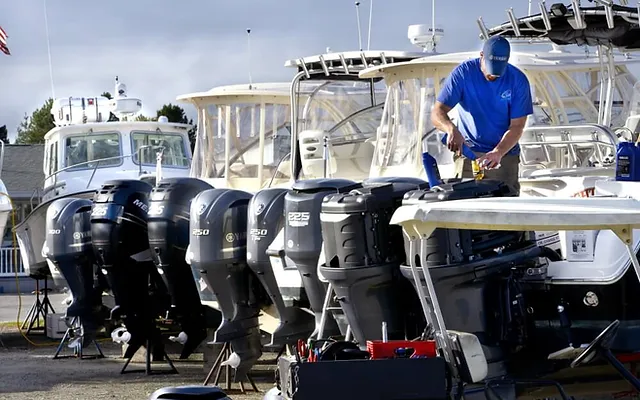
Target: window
(52,159)
(172,146)
(94,150)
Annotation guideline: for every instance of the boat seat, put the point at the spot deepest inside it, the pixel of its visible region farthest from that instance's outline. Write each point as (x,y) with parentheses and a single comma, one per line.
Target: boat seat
(189,392)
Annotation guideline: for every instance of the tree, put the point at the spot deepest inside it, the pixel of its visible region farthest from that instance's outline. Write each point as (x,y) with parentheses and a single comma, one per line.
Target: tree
(143,118)
(4,134)
(107,95)
(175,113)
(32,129)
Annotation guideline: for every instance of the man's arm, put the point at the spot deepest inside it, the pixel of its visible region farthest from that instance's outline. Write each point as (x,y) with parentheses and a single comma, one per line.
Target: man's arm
(440,118)
(511,136)
(450,95)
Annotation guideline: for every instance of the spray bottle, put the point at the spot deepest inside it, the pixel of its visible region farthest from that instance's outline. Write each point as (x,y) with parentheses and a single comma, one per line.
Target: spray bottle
(466,151)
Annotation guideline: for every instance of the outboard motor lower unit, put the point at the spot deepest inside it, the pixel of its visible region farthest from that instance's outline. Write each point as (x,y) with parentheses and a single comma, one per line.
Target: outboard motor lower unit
(363,255)
(303,238)
(218,247)
(70,255)
(121,246)
(168,224)
(265,221)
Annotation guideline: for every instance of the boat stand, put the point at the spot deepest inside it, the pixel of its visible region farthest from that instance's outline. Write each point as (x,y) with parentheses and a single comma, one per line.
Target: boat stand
(78,349)
(39,308)
(149,346)
(225,353)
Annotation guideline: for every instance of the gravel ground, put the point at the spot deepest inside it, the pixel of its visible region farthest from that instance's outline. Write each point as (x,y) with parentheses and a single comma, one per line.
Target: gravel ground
(29,372)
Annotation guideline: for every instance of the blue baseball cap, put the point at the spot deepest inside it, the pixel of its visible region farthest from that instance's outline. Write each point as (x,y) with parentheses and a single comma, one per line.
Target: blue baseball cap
(496,55)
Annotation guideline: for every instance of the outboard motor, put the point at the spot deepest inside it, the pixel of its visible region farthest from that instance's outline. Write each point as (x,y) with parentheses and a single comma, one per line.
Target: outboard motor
(218,247)
(121,247)
(265,220)
(478,287)
(168,224)
(69,252)
(363,254)
(303,239)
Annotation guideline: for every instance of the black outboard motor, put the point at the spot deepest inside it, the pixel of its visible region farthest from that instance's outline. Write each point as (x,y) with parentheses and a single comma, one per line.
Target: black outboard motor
(121,246)
(218,247)
(363,255)
(68,248)
(265,221)
(303,239)
(168,224)
(467,273)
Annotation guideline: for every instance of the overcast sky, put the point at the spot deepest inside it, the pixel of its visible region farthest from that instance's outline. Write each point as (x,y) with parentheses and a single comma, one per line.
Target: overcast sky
(163,48)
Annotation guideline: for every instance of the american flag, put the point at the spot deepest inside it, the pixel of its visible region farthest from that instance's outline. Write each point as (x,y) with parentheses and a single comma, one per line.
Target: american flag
(3,42)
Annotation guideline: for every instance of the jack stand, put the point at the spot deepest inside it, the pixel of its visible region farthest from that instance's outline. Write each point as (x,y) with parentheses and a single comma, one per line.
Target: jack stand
(38,308)
(77,350)
(148,370)
(226,353)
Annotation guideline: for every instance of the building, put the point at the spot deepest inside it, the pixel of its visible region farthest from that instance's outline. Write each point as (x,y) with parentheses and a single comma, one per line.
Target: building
(22,173)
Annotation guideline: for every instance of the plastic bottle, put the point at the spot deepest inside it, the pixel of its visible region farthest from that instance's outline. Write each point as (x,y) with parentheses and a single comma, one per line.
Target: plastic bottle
(637,161)
(478,173)
(625,162)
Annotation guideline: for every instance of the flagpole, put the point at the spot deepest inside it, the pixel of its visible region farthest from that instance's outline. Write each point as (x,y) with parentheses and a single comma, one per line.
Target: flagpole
(46,26)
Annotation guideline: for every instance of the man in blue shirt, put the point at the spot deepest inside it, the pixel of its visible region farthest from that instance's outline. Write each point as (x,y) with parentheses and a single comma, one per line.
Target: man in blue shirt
(494,99)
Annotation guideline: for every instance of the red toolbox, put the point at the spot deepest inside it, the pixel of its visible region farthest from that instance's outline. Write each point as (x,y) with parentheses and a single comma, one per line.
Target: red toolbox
(379,349)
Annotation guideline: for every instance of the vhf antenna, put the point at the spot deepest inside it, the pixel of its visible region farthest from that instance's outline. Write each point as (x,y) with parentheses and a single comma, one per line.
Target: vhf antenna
(359,31)
(369,30)
(249,57)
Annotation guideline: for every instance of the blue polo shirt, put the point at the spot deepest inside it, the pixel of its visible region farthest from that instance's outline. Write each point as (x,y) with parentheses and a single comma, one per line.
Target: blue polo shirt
(486,108)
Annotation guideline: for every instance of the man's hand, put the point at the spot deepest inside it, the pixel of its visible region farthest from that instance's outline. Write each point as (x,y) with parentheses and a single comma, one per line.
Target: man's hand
(490,160)
(455,141)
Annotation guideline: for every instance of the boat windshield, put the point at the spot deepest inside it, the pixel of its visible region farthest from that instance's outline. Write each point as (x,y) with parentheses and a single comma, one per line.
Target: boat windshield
(237,129)
(348,114)
(337,108)
(98,149)
(146,145)
(406,130)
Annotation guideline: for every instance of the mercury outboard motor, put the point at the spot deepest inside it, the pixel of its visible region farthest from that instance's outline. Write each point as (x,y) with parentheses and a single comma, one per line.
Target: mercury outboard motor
(168,224)
(363,255)
(218,247)
(68,249)
(303,239)
(265,221)
(121,246)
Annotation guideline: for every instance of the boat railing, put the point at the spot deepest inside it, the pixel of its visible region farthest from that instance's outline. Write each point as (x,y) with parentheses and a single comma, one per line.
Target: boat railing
(11,262)
(567,146)
(37,194)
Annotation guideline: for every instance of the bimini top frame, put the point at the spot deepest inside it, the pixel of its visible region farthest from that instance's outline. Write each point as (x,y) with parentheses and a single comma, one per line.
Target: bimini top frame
(606,26)
(334,67)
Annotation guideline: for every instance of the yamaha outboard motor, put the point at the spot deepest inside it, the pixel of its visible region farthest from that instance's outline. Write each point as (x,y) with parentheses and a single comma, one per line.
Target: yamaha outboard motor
(121,246)
(303,239)
(265,221)
(218,247)
(68,249)
(168,224)
(363,255)
(467,272)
